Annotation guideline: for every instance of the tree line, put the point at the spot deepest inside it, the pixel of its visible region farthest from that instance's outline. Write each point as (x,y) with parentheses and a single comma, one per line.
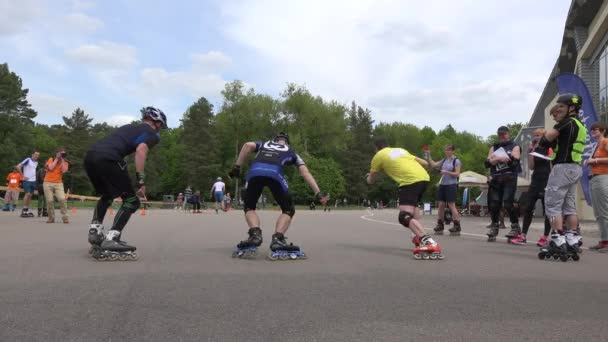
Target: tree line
(334,139)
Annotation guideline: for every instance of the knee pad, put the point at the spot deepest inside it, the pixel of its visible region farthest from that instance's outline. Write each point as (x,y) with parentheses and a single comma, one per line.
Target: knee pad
(131,203)
(405,217)
(291,210)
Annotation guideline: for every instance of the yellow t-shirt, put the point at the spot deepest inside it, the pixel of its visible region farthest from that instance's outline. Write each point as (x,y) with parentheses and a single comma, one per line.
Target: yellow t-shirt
(400,165)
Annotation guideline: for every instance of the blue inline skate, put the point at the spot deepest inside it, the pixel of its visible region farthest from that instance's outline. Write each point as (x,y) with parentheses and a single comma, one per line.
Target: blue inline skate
(281,250)
(248,249)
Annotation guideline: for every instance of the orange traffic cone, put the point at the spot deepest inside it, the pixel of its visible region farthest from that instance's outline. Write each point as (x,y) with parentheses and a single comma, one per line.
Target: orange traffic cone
(73,210)
(143,211)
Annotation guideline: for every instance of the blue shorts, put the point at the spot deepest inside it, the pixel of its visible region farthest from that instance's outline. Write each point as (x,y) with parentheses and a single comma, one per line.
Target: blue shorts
(29,187)
(447,193)
(219,196)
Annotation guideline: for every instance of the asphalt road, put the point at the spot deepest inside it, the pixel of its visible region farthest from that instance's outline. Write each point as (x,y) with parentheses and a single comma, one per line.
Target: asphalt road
(360,283)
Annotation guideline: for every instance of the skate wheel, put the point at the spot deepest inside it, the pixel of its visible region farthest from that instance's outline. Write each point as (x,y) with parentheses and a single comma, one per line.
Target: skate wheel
(541,255)
(113,257)
(555,256)
(284,256)
(563,257)
(293,256)
(101,258)
(417,256)
(575,257)
(425,257)
(272,256)
(123,257)
(440,257)
(547,256)
(134,256)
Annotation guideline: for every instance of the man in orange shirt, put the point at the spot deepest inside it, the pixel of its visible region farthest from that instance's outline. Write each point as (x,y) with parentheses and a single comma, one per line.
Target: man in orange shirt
(53,185)
(12,193)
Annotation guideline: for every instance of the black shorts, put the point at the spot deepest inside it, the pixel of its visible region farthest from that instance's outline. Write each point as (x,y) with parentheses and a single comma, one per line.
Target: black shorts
(110,178)
(254,189)
(412,194)
(447,193)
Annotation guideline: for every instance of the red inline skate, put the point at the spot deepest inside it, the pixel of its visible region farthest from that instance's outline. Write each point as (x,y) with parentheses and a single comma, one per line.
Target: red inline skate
(428,249)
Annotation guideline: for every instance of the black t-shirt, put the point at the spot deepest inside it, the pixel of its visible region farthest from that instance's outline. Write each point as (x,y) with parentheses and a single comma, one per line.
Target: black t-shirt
(542,167)
(568,132)
(124,141)
(505,168)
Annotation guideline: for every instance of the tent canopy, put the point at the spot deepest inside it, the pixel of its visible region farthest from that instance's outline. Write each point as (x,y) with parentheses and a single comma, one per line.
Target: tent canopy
(474,179)
(470,178)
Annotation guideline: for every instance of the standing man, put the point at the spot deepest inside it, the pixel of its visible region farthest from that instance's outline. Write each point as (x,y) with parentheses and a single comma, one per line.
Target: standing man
(217,192)
(449,167)
(12,193)
(27,169)
(568,138)
(53,186)
(267,171)
(408,171)
(107,170)
(503,162)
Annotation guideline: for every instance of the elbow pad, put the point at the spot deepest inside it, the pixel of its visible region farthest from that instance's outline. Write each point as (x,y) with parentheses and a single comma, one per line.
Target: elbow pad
(487,164)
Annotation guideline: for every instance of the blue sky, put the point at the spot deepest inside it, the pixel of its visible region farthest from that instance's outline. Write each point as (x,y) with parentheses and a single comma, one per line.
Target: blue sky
(470,63)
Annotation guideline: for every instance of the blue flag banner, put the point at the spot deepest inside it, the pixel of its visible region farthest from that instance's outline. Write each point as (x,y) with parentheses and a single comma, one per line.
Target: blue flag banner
(571,83)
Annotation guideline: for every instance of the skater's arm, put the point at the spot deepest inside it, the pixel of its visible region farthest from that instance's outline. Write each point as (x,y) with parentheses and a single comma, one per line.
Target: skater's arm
(305,173)
(247,148)
(423,162)
(141,153)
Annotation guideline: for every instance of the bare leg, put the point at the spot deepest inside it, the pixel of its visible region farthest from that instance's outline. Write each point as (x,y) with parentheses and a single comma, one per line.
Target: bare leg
(455,214)
(441,214)
(282,223)
(415,225)
(252,218)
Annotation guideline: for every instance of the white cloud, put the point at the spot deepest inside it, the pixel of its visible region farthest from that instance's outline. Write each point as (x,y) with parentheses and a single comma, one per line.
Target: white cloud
(16,16)
(105,55)
(51,107)
(82,23)
(119,119)
(160,82)
(212,61)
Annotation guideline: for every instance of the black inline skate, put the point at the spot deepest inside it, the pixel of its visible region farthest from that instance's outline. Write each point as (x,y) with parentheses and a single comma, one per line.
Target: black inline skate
(556,249)
(439,228)
(515,231)
(493,232)
(455,230)
(281,250)
(25,212)
(113,249)
(247,249)
(96,237)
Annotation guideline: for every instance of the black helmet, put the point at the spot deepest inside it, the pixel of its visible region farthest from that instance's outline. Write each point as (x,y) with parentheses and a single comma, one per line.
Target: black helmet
(570,99)
(281,135)
(155,114)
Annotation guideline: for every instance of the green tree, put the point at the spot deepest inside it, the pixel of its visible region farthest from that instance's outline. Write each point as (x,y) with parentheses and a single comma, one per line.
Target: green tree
(200,157)
(356,162)
(16,117)
(327,173)
(76,138)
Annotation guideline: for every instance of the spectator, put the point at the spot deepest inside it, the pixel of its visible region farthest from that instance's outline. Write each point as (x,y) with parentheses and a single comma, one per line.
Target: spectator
(179,203)
(228,201)
(599,183)
(12,193)
(27,168)
(503,162)
(53,185)
(40,174)
(195,202)
(449,168)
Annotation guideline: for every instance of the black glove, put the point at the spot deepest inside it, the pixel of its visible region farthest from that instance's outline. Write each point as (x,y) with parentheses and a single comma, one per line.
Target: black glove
(235,172)
(320,195)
